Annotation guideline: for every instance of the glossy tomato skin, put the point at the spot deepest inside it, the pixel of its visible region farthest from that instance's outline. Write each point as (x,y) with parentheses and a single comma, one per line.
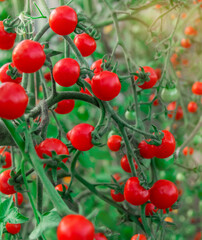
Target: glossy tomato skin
(146,150)
(6,78)
(28,56)
(5,187)
(158,73)
(192,107)
(59,187)
(153,78)
(114,143)
(134,193)
(86,91)
(130,115)
(81,138)
(165,163)
(185,43)
(125,164)
(19,197)
(163,194)
(197,88)
(96,66)
(100,236)
(7,40)
(106,85)
(117,197)
(13,101)
(139,237)
(66,72)
(167,147)
(63,20)
(150,209)
(74,227)
(169,94)
(85,43)
(65,106)
(13,228)
(8,161)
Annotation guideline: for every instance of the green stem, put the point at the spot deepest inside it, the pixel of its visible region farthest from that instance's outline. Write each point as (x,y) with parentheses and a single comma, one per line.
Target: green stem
(39,195)
(145,224)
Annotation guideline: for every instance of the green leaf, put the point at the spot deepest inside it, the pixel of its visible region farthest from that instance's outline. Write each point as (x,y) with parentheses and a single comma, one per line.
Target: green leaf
(15,217)
(5,207)
(1,229)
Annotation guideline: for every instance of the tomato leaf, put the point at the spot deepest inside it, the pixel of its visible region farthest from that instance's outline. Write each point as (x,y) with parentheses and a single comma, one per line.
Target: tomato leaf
(5,207)
(15,217)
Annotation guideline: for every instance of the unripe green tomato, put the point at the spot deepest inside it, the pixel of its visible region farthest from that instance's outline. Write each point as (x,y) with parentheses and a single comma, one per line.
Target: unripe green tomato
(130,115)
(83,113)
(197,139)
(165,163)
(169,94)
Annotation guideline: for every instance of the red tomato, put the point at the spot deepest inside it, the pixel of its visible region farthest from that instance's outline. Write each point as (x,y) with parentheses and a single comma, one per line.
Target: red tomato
(8,161)
(191,150)
(146,150)
(192,107)
(197,88)
(134,193)
(114,143)
(86,90)
(75,227)
(179,114)
(19,197)
(163,194)
(28,56)
(185,151)
(47,76)
(65,106)
(125,164)
(106,85)
(6,78)
(63,20)
(80,136)
(156,102)
(85,43)
(117,176)
(66,72)
(185,43)
(117,197)
(59,187)
(171,107)
(152,76)
(100,236)
(52,144)
(167,147)
(190,31)
(5,187)
(96,66)
(139,237)
(13,101)
(7,40)
(13,228)
(150,209)
(158,73)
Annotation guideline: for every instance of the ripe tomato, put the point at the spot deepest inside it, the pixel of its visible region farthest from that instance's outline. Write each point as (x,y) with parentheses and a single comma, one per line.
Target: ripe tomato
(167,147)
(65,106)
(152,76)
(146,150)
(158,73)
(8,161)
(114,143)
(106,85)
(125,164)
(13,228)
(117,197)
(163,194)
(5,187)
(52,144)
(80,136)
(6,78)
(139,237)
(191,150)
(179,114)
(28,56)
(86,90)
(47,76)
(85,43)
(174,59)
(197,88)
(185,151)
(185,43)
(69,229)
(190,31)
(192,107)
(134,193)
(169,94)
(7,40)
(59,187)
(151,97)
(13,101)
(20,198)
(117,176)
(100,236)
(63,20)
(150,209)
(66,72)
(96,66)
(165,163)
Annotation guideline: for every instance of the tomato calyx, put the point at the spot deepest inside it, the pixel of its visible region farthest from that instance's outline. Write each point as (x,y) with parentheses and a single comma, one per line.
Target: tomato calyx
(10,25)
(13,72)
(142,76)
(55,160)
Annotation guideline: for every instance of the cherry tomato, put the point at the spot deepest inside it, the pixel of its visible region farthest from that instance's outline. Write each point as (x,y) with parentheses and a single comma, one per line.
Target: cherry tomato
(13,228)
(66,72)
(6,78)
(165,163)
(117,197)
(114,143)
(167,147)
(185,151)
(117,176)
(59,187)
(190,31)
(139,237)
(80,136)
(192,107)
(156,102)
(179,114)
(13,101)
(28,56)
(174,59)
(146,150)
(134,193)
(125,164)
(85,43)
(100,236)
(130,115)
(63,20)
(49,145)
(7,40)
(163,194)
(20,198)
(65,106)
(5,187)
(152,76)
(150,209)
(158,73)
(185,43)
(86,90)
(197,88)
(191,150)
(106,85)
(8,161)
(69,229)
(96,66)
(169,94)
(47,76)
